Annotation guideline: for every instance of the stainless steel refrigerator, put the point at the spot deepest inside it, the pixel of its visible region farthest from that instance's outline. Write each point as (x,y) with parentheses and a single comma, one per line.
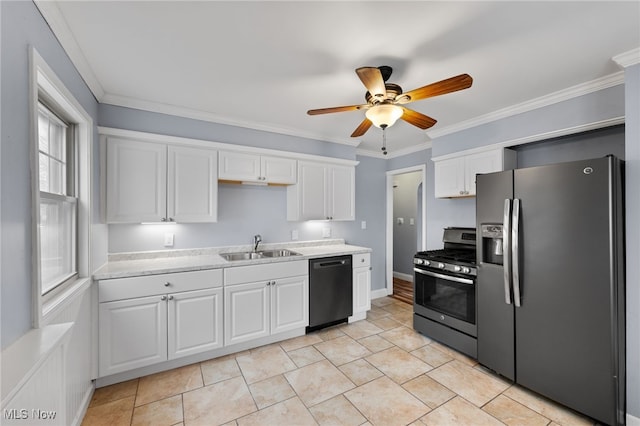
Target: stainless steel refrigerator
(550,286)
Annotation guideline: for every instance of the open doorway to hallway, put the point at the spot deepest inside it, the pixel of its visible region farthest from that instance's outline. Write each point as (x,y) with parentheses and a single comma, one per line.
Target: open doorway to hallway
(405,229)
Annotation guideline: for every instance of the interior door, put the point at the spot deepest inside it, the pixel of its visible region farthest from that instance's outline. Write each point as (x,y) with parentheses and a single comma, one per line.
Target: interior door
(495,317)
(564,326)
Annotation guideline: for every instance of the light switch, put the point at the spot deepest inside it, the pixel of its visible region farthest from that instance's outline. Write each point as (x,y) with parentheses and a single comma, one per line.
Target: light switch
(412,221)
(326,232)
(168,240)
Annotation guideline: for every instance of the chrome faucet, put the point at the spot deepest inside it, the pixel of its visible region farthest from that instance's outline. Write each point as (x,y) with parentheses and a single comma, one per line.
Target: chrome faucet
(257,239)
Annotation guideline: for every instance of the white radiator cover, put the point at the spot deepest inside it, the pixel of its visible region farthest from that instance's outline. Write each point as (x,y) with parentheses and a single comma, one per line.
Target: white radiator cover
(54,377)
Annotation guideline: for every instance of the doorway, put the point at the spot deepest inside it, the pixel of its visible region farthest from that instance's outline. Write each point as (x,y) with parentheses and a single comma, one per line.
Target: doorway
(406,227)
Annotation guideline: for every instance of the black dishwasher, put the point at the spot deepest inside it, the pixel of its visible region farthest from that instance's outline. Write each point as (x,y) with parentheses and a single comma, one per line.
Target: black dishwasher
(330,291)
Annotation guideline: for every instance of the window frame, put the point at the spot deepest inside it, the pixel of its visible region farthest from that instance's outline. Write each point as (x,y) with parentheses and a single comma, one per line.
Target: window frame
(48,89)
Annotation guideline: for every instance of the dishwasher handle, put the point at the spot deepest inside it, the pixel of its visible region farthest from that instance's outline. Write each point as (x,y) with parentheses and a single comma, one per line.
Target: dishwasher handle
(329,264)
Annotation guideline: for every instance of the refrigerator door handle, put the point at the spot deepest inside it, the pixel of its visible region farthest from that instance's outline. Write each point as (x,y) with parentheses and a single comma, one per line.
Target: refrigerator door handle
(506,247)
(515,259)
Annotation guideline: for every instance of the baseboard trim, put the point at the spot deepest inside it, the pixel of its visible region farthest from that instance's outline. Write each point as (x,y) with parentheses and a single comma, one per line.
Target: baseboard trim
(377,294)
(403,276)
(632,420)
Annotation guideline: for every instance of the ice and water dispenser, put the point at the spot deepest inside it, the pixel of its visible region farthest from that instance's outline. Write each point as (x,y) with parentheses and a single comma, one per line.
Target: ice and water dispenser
(492,248)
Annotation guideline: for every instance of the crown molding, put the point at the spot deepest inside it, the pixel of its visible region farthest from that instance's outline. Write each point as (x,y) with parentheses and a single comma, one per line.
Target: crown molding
(543,101)
(51,13)
(179,111)
(627,59)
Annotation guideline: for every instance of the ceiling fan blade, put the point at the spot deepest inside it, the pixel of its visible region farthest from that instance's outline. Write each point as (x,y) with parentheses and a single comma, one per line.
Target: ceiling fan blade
(372,79)
(362,128)
(335,109)
(453,84)
(417,119)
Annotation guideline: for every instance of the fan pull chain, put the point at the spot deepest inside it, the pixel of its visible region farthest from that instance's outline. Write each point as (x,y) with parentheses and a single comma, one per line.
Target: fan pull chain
(384,140)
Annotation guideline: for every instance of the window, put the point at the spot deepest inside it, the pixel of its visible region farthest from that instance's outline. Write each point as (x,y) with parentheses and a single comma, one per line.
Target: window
(61,192)
(58,204)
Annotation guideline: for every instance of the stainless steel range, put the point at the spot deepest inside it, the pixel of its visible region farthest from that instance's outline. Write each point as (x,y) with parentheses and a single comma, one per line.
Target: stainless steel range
(444,301)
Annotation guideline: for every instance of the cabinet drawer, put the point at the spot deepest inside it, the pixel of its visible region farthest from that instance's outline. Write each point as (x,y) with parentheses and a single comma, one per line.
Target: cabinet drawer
(361,259)
(270,271)
(149,285)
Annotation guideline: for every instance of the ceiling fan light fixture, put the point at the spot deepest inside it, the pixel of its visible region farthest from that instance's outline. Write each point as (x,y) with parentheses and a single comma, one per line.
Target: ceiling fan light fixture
(384,115)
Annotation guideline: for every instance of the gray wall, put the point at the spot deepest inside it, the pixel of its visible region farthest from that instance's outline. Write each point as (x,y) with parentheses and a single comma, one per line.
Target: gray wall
(405,206)
(441,213)
(244,211)
(590,108)
(583,146)
(632,170)
(22,26)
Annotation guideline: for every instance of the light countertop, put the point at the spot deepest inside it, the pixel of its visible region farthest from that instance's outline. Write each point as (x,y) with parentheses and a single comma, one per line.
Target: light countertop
(122,265)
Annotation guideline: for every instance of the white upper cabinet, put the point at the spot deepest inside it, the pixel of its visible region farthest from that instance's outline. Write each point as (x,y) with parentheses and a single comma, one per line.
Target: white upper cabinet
(456,176)
(244,167)
(324,192)
(192,192)
(136,181)
(155,182)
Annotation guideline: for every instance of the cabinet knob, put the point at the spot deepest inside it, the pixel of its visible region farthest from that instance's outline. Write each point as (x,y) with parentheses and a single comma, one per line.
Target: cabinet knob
(362,260)
(164,219)
(170,297)
(171,219)
(167,284)
(163,298)
(461,192)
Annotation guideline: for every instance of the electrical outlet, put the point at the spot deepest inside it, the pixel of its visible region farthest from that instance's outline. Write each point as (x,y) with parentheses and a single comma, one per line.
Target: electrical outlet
(294,235)
(168,239)
(400,221)
(363,224)
(326,232)
(412,221)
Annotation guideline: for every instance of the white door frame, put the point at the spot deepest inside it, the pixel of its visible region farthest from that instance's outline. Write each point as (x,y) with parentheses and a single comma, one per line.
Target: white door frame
(389,257)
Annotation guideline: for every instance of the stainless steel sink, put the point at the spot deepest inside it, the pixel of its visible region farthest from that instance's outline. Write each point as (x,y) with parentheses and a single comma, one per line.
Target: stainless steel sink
(242,256)
(249,255)
(279,253)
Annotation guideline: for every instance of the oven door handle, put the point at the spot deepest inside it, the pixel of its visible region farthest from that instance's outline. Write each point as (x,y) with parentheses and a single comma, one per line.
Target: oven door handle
(444,277)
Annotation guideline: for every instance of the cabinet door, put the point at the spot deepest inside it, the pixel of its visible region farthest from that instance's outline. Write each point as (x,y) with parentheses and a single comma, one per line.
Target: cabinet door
(449,178)
(484,162)
(246,312)
(192,192)
(289,304)
(133,334)
(136,181)
(239,166)
(342,193)
(279,170)
(194,322)
(361,289)
(312,191)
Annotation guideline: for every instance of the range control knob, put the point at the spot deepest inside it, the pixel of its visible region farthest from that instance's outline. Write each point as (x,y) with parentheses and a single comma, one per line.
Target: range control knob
(427,262)
(457,268)
(441,265)
(466,270)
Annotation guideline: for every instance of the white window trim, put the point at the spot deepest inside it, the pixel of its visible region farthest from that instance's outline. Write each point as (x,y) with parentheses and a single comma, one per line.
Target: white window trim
(43,79)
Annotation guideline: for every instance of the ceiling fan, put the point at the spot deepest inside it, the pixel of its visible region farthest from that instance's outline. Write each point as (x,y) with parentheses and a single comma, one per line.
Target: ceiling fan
(385,100)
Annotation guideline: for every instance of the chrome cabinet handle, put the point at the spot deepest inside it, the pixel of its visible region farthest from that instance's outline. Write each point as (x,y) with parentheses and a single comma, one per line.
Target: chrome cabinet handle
(163,298)
(167,284)
(170,297)
(506,232)
(515,231)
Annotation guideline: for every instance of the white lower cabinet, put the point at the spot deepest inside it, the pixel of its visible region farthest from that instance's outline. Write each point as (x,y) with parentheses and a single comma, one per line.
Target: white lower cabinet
(195,322)
(138,331)
(277,303)
(133,334)
(361,286)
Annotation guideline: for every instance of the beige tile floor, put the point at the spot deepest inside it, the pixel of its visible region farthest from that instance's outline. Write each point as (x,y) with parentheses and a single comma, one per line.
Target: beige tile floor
(378,371)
